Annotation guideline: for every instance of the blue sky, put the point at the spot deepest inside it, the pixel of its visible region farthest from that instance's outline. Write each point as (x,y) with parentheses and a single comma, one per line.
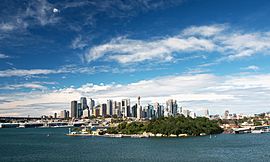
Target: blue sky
(205,54)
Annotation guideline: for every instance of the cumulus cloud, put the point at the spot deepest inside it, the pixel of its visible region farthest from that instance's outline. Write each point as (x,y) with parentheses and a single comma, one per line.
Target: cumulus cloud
(229,43)
(239,93)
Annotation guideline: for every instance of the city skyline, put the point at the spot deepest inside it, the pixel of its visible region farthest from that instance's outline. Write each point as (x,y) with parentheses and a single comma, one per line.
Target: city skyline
(204,54)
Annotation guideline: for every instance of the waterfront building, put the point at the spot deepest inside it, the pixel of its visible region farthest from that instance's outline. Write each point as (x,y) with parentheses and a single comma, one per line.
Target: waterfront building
(84,103)
(109,106)
(74,108)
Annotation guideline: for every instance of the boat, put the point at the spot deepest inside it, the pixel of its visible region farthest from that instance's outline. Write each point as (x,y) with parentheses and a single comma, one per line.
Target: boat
(257,131)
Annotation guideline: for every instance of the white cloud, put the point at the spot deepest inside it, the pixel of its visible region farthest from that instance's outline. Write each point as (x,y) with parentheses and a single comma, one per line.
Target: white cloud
(127,51)
(238,93)
(252,67)
(230,44)
(78,43)
(25,85)
(22,72)
(3,56)
(204,30)
(7,27)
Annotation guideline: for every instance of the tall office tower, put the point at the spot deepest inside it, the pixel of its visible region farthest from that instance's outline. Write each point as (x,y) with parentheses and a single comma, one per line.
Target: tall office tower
(180,110)
(149,111)
(63,114)
(109,107)
(91,103)
(226,114)
(157,110)
(171,106)
(125,107)
(192,114)
(86,113)
(133,111)
(103,110)
(67,114)
(114,108)
(139,109)
(79,110)
(74,109)
(96,111)
(84,103)
(186,113)
(206,113)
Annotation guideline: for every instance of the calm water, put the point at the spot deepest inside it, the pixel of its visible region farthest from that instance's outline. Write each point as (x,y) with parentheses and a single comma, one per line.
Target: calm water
(34,145)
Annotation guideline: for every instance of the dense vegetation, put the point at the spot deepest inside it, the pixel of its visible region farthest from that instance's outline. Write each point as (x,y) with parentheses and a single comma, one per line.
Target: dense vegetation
(171,125)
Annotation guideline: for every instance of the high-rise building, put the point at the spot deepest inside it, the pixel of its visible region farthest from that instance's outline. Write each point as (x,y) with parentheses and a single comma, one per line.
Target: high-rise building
(86,113)
(84,103)
(79,110)
(125,107)
(133,111)
(171,107)
(226,114)
(74,109)
(206,113)
(63,114)
(103,109)
(186,113)
(67,114)
(158,110)
(139,109)
(96,111)
(109,106)
(192,114)
(55,115)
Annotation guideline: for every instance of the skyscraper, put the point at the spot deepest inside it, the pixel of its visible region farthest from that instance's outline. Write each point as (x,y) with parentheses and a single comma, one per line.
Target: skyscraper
(158,110)
(139,109)
(84,103)
(63,114)
(125,107)
(109,107)
(79,110)
(206,113)
(171,107)
(103,109)
(74,109)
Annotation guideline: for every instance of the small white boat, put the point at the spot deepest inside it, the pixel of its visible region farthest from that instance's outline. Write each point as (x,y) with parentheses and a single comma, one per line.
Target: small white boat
(257,131)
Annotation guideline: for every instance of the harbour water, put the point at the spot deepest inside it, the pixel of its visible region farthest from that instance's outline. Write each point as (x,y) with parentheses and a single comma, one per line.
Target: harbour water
(51,144)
